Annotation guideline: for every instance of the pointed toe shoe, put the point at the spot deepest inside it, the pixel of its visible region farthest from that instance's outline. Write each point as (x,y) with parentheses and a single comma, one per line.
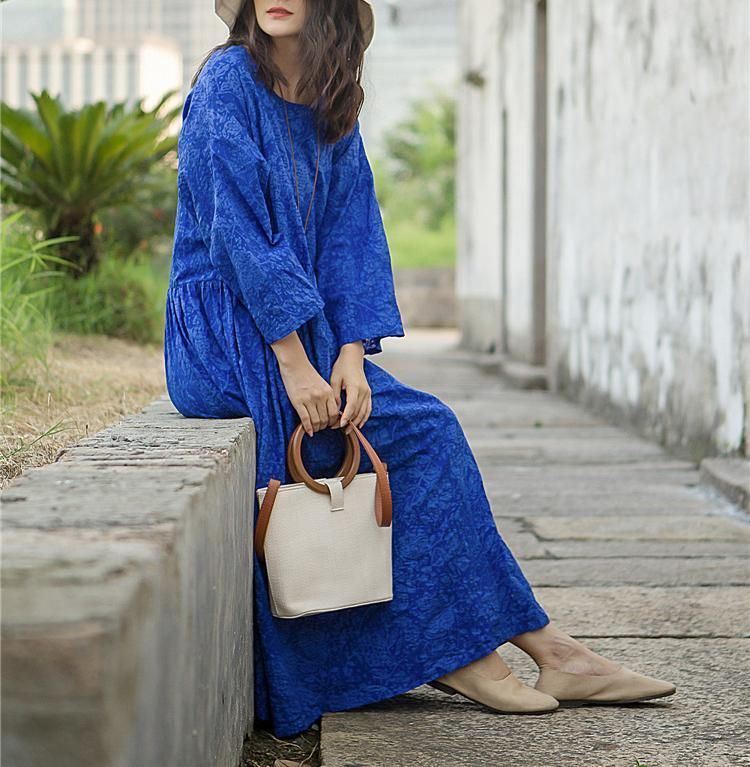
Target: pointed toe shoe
(508,695)
(621,686)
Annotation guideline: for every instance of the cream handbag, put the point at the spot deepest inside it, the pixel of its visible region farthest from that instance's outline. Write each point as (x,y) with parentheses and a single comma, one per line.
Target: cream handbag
(327,544)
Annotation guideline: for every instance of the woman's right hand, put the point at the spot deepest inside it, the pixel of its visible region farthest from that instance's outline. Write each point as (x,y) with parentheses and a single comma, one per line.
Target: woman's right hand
(310,394)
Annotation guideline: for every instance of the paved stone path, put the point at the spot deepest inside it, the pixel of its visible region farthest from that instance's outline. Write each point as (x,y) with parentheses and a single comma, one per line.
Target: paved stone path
(626,551)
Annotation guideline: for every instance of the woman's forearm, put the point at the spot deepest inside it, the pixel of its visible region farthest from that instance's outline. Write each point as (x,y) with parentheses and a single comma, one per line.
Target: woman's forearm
(289,351)
(353,347)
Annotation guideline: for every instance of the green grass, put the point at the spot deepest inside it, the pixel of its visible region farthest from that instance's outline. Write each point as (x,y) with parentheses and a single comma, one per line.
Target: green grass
(415,246)
(28,279)
(121,297)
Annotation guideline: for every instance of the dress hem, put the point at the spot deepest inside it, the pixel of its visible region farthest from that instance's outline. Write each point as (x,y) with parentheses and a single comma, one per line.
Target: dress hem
(356,701)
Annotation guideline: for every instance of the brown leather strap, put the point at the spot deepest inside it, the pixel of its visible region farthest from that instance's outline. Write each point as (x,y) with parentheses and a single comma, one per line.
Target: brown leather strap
(264,516)
(383,502)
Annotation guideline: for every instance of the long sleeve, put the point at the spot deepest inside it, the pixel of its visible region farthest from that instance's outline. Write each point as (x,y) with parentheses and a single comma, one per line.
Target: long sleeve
(226,176)
(353,269)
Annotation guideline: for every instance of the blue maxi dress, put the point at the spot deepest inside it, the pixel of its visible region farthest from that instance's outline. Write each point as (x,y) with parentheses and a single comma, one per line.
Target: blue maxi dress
(244,274)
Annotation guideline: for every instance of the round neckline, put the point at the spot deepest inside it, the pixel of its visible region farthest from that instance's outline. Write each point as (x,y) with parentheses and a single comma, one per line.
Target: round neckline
(294,104)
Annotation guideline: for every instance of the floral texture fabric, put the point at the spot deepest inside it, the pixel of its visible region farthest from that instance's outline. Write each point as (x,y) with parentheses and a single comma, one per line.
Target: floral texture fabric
(245,273)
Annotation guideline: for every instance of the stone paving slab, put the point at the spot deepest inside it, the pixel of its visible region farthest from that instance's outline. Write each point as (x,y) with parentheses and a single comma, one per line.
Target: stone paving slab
(600,479)
(570,446)
(638,549)
(625,549)
(555,490)
(510,409)
(635,527)
(523,545)
(656,611)
(579,503)
(523,536)
(601,571)
(425,728)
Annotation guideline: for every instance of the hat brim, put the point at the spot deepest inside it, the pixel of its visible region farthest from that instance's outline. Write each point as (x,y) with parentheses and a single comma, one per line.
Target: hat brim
(227,11)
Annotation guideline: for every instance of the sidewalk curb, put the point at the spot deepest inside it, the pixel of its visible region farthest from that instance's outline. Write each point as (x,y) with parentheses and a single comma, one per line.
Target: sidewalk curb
(731,476)
(520,375)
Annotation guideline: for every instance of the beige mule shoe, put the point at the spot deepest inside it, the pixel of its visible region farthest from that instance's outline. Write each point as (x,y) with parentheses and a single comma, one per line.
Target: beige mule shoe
(508,695)
(621,686)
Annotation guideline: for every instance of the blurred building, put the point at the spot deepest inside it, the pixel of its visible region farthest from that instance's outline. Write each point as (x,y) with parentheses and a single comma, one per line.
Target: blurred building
(37,21)
(191,24)
(603,204)
(195,28)
(82,47)
(81,71)
(414,54)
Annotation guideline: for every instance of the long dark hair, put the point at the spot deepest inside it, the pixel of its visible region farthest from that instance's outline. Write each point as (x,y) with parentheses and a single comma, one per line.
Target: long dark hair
(332,49)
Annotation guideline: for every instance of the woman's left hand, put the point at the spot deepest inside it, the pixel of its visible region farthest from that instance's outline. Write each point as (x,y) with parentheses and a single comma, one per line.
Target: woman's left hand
(348,373)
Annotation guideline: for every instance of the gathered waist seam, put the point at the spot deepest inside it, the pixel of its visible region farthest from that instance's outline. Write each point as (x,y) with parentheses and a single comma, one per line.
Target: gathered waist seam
(192,280)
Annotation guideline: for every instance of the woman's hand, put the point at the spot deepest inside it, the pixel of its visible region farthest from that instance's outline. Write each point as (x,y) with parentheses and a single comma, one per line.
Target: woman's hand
(310,394)
(348,373)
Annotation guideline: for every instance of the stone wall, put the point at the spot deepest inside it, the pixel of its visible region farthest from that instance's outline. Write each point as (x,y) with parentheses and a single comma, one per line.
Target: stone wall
(426,297)
(649,213)
(127,598)
(646,188)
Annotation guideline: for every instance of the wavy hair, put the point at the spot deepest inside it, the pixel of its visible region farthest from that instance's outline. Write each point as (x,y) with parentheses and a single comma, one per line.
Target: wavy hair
(332,50)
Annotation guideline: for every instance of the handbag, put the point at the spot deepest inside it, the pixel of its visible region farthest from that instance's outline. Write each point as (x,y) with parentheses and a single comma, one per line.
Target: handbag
(326,542)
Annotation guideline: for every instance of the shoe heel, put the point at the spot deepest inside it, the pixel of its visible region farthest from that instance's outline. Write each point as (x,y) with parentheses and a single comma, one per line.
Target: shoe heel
(443,687)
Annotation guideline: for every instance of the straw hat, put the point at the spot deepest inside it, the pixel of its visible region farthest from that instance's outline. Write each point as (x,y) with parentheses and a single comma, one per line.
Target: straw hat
(227,11)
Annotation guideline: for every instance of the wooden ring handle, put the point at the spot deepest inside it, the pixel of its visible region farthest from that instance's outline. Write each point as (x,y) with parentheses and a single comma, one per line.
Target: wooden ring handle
(348,469)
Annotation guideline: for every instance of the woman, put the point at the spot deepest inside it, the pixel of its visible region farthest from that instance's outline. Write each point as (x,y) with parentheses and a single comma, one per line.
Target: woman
(281,285)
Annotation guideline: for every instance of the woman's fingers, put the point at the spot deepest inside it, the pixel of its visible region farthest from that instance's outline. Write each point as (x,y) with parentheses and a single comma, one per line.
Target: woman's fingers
(305,418)
(363,411)
(316,401)
(321,415)
(323,410)
(352,404)
(358,405)
(315,415)
(336,386)
(333,412)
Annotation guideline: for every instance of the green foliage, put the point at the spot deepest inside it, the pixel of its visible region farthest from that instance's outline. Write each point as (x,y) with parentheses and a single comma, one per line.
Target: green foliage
(28,278)
(413,246)
(146,222)
(420,163)
(415,182)
(123,298)
(71,165)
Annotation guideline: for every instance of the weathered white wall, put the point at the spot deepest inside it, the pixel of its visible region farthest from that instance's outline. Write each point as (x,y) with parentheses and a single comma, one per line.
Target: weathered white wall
(497,46)
(648,213)
(648,268)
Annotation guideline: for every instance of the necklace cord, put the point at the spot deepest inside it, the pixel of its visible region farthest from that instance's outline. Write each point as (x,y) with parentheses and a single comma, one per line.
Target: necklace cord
(294,164)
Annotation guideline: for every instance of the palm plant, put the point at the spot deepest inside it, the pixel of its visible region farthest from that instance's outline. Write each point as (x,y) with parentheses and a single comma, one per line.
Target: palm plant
(68,165)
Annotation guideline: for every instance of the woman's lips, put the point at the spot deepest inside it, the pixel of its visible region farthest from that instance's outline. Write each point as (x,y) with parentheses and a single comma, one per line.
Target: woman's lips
(279,13)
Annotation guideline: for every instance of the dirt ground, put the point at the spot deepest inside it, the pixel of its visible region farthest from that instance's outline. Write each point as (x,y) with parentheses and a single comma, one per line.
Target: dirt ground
(266,750)
(90,382)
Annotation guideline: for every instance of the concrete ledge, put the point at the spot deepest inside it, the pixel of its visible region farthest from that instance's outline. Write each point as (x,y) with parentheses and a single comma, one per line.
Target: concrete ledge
(127,598)
(520,375)
(731,476)
(427,296)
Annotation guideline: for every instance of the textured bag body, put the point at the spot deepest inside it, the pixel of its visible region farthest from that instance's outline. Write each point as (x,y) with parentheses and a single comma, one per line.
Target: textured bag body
(327,544)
